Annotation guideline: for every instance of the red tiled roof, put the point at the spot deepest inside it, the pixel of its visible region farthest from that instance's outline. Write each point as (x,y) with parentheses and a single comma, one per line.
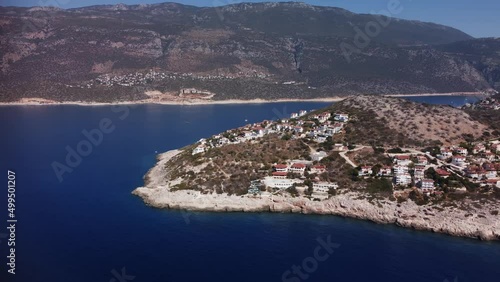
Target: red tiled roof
(442,172)
(280,174)
(298,166)
(280,166)
(403,157)
(320,167)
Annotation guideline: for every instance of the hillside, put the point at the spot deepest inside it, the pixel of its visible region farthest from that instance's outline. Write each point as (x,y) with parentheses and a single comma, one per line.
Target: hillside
(242,51)
(398,122)
(483,54)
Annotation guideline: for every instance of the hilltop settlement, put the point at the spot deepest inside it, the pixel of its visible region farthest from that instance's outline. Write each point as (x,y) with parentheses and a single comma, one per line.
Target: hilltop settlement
(329,162)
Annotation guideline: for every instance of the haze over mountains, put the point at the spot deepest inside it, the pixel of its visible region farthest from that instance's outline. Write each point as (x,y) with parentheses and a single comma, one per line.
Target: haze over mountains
(242,51)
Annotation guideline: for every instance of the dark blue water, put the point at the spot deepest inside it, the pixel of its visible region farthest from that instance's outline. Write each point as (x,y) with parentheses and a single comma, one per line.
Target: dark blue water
(89,225)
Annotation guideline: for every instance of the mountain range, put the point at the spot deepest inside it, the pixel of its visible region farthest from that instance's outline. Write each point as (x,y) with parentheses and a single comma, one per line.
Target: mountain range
(244,51)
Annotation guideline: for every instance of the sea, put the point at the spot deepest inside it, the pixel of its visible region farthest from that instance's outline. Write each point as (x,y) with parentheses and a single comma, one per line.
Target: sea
(76,219)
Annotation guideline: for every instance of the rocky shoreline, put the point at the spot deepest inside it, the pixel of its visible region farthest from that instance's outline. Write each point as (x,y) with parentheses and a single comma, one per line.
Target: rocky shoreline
(476,223)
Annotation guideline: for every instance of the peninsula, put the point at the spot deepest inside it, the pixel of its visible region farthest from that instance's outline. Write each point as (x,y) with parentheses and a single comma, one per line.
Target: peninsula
(376,158)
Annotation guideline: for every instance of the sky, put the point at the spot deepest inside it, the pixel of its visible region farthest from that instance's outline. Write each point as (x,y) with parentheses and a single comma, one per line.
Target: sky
(479,18)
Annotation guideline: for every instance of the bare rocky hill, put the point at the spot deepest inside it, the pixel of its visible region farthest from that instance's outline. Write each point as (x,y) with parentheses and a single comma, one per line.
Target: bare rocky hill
(382,120)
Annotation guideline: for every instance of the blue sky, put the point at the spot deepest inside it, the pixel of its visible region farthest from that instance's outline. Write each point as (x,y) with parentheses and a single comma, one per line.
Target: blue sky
(479,18)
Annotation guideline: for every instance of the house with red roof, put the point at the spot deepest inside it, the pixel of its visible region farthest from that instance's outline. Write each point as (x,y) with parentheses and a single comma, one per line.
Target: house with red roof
(443,173)
(461,151)
(479,148)
(318,169)
(280,168)
(385,171)
(365,171)
(422,160)
(445,153)
(298,168)
(419,171)
(402,160)
(458,160)
(279,175)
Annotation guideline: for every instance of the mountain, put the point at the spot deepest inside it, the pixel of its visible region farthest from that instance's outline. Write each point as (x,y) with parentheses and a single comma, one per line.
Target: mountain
(243,51)
(482,53)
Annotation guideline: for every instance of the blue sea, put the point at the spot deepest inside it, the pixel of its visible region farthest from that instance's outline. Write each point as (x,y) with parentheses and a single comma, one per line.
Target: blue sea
(86,226)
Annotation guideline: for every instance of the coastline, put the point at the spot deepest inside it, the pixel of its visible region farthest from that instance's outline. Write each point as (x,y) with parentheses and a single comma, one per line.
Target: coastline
(435,94)
(453,221)
(201,102)
(174,103)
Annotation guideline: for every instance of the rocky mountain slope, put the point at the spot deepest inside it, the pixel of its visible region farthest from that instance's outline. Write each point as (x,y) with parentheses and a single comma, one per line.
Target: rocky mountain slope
(243,51)
(482,53)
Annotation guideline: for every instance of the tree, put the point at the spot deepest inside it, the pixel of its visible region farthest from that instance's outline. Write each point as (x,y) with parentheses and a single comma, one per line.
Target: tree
(309,191)
(376,169)
(354,173)
(395,151)
(379,186)
(293,190)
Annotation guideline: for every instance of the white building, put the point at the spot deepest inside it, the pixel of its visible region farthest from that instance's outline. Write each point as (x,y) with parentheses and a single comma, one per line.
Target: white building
(385,171)
(490,174)
(403,179)
(342,117)
(280,183)
(400,169)
(198,150)
(280,168)
(458,160)
(462,151)
(402,160)
(318,156)
(298,168)
(419,172)
(422,160)
(427,185)
(318,169)
(339,147)
(365,170)
(324,187)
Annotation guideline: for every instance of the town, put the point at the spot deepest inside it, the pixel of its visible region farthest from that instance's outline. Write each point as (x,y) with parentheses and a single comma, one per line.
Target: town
(430,170)
(141,78)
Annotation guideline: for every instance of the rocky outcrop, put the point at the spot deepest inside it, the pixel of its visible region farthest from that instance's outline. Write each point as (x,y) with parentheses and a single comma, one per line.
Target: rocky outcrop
(473,223)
